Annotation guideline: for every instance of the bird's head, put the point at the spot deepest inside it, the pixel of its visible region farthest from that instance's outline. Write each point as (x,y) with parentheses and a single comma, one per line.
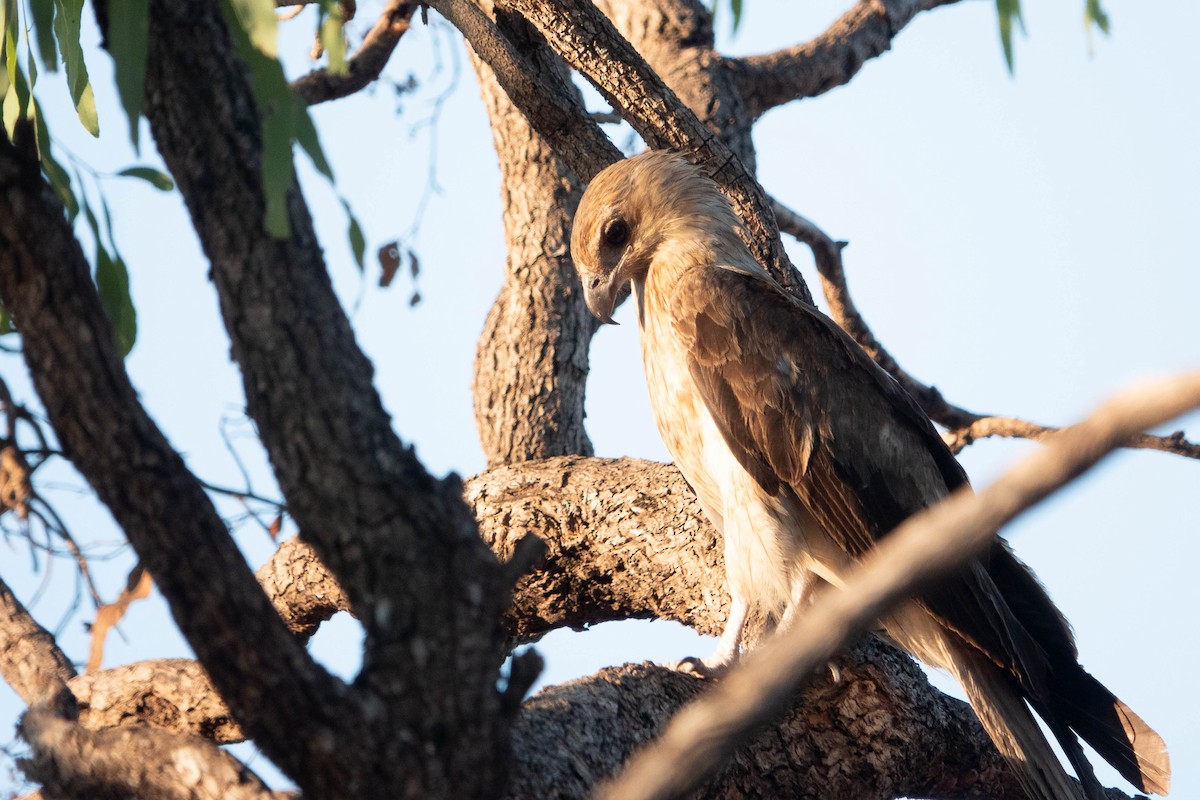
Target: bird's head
(634,210)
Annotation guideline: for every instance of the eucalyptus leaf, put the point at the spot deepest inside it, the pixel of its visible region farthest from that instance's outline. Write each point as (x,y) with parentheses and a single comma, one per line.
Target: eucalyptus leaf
(60,181)
(333,37)
(1006,12)
(156,178)
(112,283)
(129,43)
(257,19)
(67,22)
(43,25)
(358,240)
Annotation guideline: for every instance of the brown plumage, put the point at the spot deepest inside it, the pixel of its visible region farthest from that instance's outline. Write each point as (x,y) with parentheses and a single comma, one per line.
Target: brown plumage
(804,453)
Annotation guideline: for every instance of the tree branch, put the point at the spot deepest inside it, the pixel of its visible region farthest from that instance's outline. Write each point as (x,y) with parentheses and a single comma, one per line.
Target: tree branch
(925,547)
(878,732)
(170,694)
(71,761)
(30,660)
(302,590)
(364,67)
(964,427)
(402,544)
(69,347)
(828,61)
(579,32)
(551,107)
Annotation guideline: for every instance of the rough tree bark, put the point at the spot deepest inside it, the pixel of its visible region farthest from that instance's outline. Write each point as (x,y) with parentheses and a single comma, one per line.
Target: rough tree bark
(532,359)
(381,538)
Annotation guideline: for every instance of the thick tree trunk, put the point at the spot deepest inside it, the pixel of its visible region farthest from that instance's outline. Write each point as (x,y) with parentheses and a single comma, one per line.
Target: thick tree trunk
(532,359)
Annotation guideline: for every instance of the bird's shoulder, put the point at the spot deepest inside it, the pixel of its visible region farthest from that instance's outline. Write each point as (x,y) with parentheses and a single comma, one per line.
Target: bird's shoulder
(781,375)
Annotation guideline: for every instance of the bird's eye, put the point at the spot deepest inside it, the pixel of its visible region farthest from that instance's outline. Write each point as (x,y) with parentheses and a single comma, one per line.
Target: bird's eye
(615,233)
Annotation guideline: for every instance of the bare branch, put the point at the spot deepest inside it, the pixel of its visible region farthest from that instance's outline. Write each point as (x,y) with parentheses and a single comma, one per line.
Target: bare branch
(300,587)
(30,660)
(69,347)
(926,546)
(137,587)
(70,760)
(402,543)
(878,732)
(579,32)
(548,103)
(964,427)
(828,61)
(984,427)
(172,694)
(625,538)
(364,67)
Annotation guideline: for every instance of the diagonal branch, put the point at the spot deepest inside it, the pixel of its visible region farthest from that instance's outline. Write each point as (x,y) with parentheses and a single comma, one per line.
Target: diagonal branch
(828,61)
(401,543)
(552,108)
(589,42)
(925,547)
(30,660)
(364,67)
(964,427)
(68,344)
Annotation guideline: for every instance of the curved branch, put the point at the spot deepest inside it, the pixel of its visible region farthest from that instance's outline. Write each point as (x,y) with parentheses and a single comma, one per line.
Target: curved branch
(963,427)
(364,67)
(625,538)
(587,40)
(924,548)
(828,61)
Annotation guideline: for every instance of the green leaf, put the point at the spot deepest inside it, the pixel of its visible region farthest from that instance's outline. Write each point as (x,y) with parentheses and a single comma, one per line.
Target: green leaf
(129,42)
(257,19)
(112,283)
(333,37)
(67,22)
(60,181)
(1094,14)
(358,241)
(736,7)
(17,95)
(6,325)
(277,106)
(90,216)
(1006,12)
(306,135)
(159,180)
(43,25)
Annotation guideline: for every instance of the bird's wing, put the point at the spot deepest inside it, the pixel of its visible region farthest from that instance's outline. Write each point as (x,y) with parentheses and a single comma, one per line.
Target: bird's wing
(805,410)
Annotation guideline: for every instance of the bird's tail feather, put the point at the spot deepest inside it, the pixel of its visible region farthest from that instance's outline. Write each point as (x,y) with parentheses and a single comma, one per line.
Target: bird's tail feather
(1000,706)
(1119,736)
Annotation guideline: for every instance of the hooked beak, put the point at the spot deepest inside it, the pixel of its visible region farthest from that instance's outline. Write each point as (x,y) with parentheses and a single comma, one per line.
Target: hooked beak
(601,296)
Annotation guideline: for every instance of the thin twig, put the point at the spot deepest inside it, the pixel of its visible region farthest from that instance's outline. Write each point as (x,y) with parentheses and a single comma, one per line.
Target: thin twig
(364,67)
(926,547)
(964,427)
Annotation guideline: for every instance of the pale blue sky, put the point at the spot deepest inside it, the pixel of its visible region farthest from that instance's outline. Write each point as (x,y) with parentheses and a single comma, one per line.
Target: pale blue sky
(1027,244)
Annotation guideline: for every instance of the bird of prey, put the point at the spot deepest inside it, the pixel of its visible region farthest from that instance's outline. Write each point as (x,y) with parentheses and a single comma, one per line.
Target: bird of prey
(804,453)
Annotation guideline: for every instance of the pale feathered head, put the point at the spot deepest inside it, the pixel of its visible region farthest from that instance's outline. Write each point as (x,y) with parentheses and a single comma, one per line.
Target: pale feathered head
(635,209)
